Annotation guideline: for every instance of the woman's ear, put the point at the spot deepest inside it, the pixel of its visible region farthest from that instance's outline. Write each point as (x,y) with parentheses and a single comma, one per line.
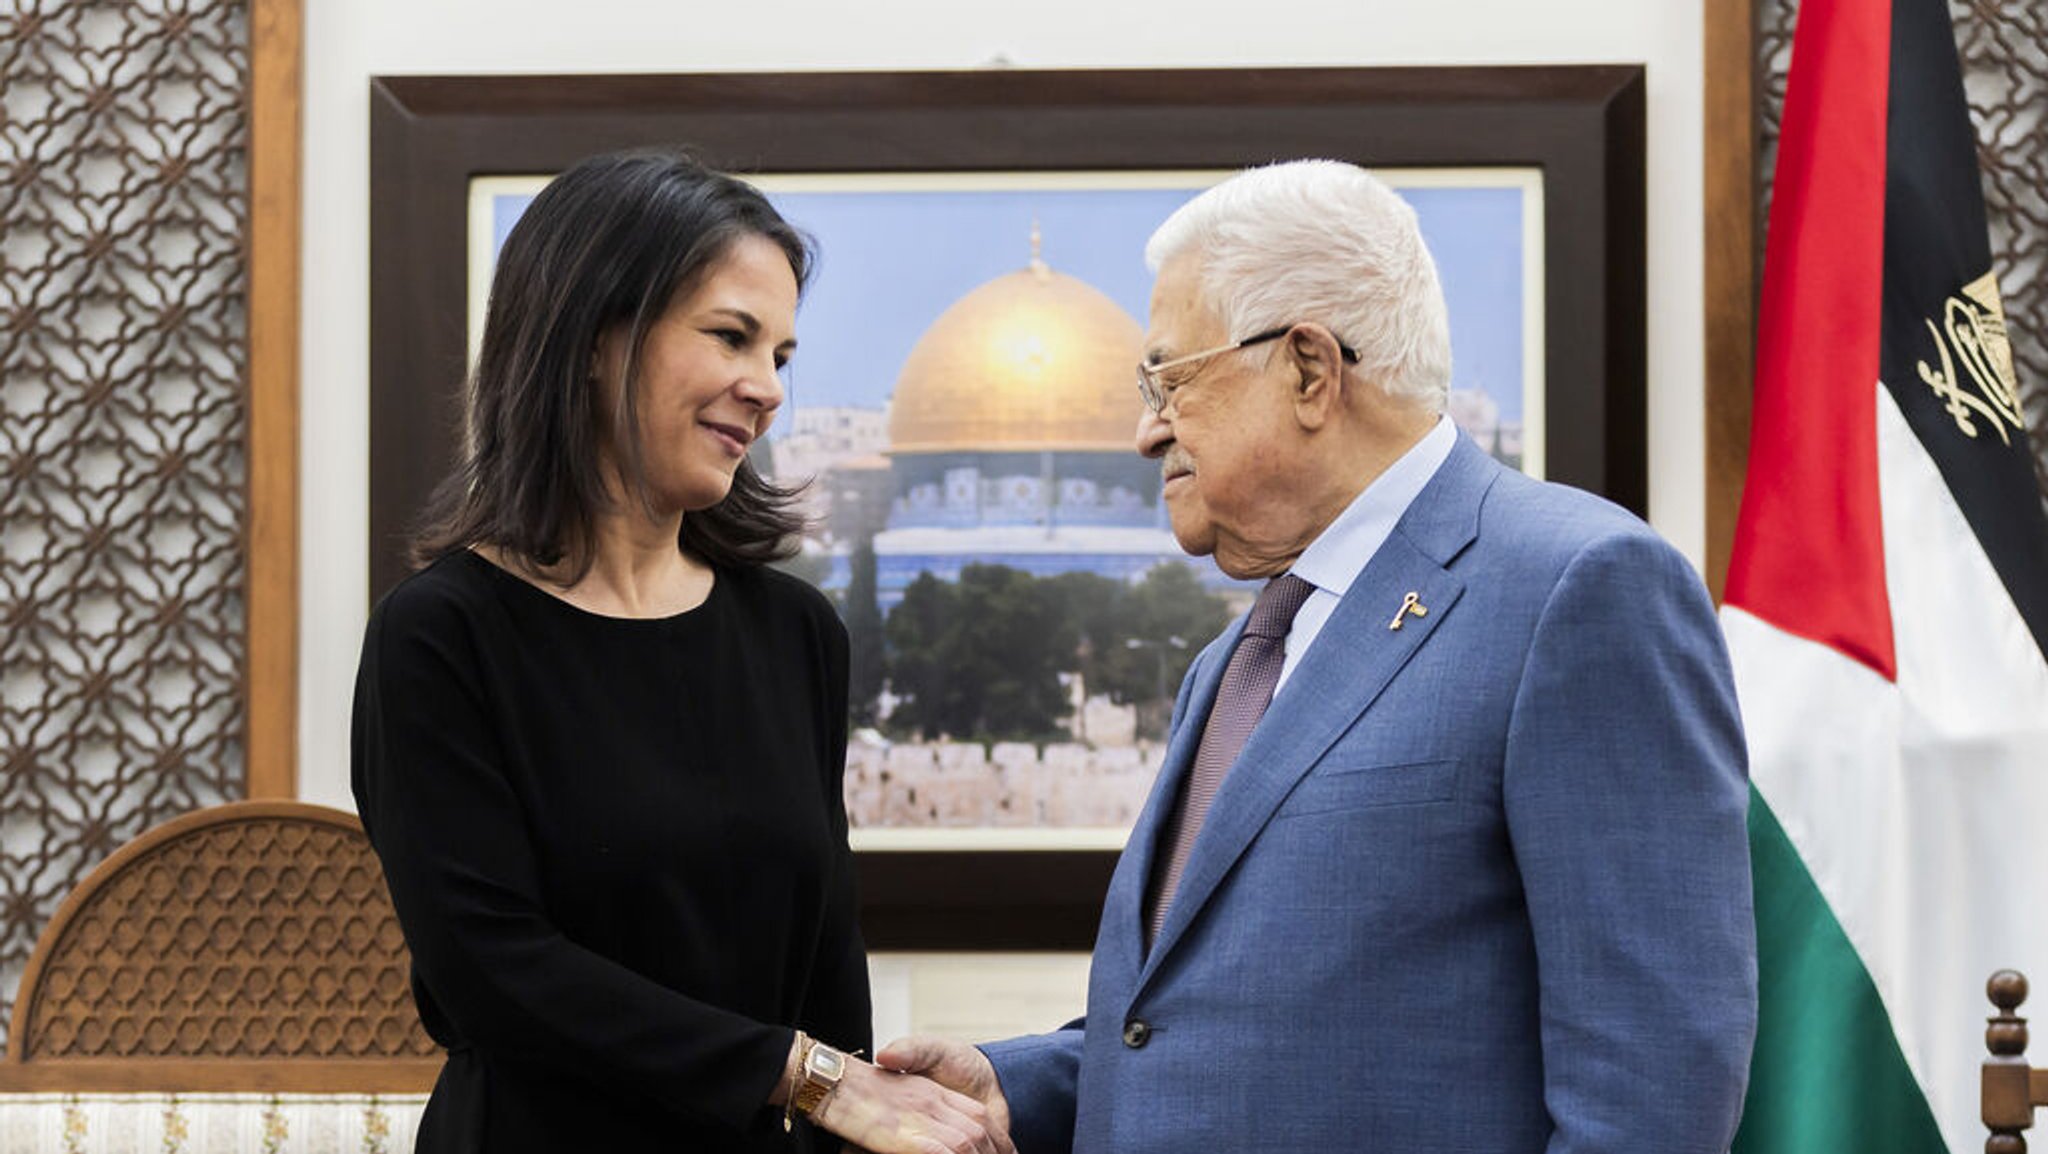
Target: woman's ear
(604,355)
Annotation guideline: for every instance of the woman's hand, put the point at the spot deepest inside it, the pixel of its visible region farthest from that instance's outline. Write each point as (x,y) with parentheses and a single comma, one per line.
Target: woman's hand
(890,1113)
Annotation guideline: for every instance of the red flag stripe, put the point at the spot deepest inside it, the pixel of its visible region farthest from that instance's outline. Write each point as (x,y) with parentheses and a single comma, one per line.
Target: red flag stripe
(1809,544)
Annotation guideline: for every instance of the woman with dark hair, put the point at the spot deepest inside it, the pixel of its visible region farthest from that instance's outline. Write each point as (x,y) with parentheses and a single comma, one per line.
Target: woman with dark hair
(598,744)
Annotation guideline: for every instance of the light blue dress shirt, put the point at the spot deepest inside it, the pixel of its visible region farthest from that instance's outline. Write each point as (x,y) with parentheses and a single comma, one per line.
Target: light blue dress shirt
(1335,558)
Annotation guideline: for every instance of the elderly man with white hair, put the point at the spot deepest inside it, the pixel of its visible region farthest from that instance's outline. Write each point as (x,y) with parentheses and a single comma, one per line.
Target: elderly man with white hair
(1448,852)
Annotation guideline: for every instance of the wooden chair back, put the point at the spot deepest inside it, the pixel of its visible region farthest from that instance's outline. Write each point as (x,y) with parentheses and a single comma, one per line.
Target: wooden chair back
(249,946)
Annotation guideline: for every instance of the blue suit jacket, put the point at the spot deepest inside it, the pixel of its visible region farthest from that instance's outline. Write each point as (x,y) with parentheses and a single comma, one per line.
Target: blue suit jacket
(1479,884)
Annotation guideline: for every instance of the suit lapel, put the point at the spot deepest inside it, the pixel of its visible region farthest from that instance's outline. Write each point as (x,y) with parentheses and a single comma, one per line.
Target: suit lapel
(1344,671)
(1124,905)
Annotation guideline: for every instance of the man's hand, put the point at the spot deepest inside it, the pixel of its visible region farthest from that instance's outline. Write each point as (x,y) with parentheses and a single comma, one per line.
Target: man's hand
(955,1065)
(885,1112)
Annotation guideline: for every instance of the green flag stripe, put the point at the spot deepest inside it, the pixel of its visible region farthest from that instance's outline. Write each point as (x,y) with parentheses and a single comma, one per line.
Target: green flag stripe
(1828,1074)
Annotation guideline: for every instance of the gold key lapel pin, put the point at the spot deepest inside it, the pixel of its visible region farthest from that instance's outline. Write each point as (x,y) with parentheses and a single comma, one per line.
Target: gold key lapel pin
(1412,603)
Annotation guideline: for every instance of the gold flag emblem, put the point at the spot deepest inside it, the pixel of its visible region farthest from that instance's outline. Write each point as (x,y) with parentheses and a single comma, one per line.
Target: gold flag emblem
(1976,378)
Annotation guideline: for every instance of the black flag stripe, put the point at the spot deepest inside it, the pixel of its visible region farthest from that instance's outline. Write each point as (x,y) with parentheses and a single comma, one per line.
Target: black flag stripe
(1936,243)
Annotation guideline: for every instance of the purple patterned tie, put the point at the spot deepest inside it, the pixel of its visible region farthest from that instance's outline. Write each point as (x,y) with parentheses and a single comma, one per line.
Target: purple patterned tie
(1241,700)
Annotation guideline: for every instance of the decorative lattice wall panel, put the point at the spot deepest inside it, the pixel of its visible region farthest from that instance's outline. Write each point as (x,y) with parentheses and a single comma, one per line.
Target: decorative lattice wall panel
(124,197)
(2004,50)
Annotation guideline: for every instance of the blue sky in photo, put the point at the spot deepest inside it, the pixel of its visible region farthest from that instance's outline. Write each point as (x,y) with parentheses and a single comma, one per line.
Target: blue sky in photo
(891,262)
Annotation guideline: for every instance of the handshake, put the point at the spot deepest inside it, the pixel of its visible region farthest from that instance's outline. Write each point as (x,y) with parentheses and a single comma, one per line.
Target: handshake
(919,1096)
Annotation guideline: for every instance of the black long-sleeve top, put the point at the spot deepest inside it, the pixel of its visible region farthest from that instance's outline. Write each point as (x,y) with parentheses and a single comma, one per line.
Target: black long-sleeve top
(618,851)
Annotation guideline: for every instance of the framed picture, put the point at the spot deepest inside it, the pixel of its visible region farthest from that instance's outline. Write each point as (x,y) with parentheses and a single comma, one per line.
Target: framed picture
(949,465)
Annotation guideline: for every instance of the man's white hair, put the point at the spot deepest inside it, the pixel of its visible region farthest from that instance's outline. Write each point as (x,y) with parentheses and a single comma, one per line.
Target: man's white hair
(1322,241)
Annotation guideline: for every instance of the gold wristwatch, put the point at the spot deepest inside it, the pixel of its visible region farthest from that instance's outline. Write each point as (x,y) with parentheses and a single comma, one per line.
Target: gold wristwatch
(819,1070)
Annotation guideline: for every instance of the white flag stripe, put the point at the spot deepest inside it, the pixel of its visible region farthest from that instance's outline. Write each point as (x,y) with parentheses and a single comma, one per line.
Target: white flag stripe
(1974,687)
(1921,808)
(1824,751)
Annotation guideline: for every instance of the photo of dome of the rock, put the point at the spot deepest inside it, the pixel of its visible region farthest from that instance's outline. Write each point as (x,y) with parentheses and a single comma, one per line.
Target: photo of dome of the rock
(1009,442)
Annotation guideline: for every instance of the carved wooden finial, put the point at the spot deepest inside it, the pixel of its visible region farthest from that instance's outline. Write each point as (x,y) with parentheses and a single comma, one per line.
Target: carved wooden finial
(2007,988)
(2005,1034)
(2007,1097)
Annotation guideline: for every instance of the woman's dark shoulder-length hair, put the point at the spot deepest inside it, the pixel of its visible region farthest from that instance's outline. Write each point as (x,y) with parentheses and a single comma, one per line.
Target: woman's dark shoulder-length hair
(606,244)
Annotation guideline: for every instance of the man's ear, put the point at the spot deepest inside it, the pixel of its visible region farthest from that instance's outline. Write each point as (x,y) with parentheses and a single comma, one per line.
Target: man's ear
(1317,363)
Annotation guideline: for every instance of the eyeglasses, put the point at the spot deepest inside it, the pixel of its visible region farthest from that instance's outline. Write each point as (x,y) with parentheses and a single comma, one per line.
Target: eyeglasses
(1153,389)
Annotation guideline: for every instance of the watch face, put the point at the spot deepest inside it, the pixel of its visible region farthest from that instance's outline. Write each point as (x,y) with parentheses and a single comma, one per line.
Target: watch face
(827,1063)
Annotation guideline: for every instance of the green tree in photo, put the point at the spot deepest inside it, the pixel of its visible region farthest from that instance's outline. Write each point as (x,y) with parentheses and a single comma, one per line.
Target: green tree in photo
(1094,610)
(863,619)
(979,659)
(916,633)
(982,658)
(1169,618)
(1010,643)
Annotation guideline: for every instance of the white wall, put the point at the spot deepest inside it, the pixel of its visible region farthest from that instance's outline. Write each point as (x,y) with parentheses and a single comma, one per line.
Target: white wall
(348,41)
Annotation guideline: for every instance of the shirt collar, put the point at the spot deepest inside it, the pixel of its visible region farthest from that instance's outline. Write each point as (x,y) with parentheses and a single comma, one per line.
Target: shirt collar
(1335,558)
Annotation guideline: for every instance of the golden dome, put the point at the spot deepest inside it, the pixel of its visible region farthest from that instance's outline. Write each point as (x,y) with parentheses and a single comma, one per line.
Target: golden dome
(1033,359)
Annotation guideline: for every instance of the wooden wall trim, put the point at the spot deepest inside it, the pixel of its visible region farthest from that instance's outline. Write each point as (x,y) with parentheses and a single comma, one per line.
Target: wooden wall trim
(276,51)
(1733,254)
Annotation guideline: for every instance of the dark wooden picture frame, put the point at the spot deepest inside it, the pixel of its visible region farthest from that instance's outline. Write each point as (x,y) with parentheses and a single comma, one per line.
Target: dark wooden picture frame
(1583,126)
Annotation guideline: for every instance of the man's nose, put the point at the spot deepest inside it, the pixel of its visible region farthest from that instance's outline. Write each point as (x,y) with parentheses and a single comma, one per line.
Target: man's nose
(1154,434)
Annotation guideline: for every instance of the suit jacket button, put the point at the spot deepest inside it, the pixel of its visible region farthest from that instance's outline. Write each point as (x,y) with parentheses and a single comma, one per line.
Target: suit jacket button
(1137,1033)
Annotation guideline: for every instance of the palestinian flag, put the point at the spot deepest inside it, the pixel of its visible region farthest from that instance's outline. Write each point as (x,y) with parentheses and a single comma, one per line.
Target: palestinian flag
(1887,608)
